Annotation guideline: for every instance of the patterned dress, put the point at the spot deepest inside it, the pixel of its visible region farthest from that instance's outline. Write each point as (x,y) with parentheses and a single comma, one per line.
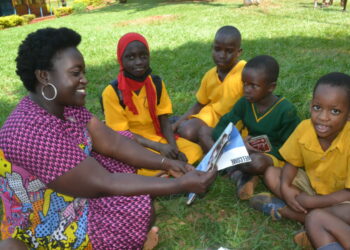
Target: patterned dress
(36,148)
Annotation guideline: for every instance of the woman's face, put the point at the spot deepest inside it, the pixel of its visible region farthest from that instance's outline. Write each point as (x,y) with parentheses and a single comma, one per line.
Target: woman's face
(68,75)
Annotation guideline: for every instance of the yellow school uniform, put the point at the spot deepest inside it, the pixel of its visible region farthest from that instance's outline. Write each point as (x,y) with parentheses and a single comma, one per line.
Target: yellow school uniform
(119,118)
(219,96)
(328,171)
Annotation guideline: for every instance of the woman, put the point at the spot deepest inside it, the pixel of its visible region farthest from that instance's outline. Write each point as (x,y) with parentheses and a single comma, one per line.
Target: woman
(60,183)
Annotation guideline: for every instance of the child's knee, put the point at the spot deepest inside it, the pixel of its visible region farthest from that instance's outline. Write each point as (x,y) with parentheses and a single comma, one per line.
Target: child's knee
(260,163)
(272,176)
(313,218)
(189,130)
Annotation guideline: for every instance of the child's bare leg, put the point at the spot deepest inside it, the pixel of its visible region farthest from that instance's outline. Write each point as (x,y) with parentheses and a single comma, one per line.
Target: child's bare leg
(205,138)
(324,227)
(152,235)
(260,162)
(246,177)
(189,129)
(152,239)
(272,180)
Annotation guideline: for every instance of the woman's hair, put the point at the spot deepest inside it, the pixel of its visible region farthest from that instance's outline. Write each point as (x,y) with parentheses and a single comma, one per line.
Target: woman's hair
(37,50)
(266,64)
(335,79)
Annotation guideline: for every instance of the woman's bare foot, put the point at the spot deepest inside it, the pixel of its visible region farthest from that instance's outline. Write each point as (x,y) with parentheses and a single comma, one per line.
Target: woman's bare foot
(152,239)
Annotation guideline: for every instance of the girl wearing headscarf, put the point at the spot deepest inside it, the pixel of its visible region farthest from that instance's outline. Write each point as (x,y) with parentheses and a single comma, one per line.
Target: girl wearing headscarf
(138,101)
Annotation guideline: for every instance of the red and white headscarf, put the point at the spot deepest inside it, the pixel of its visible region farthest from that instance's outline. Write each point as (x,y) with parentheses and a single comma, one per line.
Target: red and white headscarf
(127,85)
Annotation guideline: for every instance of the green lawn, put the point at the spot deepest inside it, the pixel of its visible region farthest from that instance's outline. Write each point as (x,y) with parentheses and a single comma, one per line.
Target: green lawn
(306,42)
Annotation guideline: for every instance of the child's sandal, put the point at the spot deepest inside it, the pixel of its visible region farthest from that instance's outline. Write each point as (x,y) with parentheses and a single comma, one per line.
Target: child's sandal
(268,204)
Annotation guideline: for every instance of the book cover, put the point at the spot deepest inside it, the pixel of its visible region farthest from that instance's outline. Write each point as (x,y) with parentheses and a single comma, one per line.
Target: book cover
(227,151)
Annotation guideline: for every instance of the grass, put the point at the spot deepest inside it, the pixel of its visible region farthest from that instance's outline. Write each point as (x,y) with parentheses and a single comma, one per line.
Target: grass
(306,42)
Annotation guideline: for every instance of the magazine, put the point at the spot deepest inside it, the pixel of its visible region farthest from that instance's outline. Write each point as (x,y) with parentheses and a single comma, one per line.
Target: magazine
(227,151)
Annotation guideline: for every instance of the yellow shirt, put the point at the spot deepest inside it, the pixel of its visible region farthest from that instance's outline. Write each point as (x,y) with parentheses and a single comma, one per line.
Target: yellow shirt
(219,96)
(328,171)
(119,118)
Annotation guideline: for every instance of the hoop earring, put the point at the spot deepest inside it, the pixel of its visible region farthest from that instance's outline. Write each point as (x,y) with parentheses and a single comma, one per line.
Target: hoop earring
(54,90)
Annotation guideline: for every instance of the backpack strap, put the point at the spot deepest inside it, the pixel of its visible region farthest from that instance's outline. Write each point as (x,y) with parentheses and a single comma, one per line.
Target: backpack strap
(158,83)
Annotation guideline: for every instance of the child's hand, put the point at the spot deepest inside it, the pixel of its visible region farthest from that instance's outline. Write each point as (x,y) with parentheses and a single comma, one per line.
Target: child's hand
(176,125)
(289,195)
(182,157)
(248,146)
(197,181)
(169,151)
(306,200)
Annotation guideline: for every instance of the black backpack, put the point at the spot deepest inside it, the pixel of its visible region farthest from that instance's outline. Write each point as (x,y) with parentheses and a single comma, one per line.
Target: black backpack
(156,80)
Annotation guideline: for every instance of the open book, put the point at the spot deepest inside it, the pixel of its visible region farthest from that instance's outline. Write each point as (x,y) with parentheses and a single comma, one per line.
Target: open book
(227,151)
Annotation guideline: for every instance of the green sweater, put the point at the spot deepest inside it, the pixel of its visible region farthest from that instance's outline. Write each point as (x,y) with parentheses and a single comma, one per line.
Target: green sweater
(278,122)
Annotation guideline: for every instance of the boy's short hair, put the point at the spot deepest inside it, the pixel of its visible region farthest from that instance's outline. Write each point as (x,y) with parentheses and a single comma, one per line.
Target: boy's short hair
(229,30)
(267,64)
(335,79)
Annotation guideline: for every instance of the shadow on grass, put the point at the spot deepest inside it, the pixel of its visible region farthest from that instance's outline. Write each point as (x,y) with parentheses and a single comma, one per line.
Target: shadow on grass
(302,61)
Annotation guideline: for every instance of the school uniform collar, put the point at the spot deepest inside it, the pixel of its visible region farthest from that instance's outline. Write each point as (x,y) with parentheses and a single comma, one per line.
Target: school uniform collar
(310,140)
(238,67)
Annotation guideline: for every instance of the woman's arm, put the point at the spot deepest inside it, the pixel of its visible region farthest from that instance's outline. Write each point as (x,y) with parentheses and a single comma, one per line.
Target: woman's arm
(90,180)
(108,142)
(147,143)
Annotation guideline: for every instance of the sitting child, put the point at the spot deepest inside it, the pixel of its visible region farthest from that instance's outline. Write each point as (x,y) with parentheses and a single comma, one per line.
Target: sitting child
(259,112)
(328,231)
(220,88)
(138,101)
(320,146)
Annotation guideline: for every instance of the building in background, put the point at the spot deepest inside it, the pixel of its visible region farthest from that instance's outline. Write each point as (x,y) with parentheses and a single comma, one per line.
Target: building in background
(21,7)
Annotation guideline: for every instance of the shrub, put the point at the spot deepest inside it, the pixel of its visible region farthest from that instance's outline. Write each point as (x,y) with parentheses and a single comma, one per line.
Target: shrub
(79,6)
(63,11)
(28,18)
(97,2)
(11,21)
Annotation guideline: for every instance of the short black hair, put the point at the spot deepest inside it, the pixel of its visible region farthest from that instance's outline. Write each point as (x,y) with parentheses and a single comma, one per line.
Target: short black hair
(266,64)
(37,50)
(229,30)
(335,79)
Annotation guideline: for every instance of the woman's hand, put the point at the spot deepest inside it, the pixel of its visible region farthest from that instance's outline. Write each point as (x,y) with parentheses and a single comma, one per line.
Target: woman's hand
(177,168)
(289,194)
(197,181)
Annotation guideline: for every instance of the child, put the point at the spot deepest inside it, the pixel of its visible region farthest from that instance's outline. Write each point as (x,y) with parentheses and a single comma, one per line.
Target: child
(259,112)
(220,88)
(320,146)
(139,102)
(328,231)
